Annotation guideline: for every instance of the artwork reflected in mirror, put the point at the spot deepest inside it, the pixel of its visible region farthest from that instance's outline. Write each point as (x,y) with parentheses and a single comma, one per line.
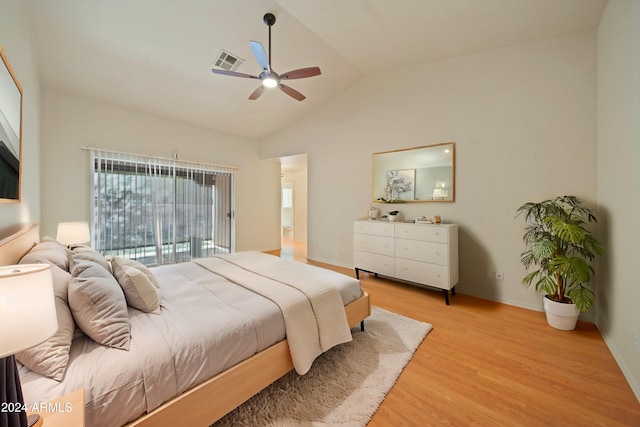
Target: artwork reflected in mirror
(419,174)
(10,132)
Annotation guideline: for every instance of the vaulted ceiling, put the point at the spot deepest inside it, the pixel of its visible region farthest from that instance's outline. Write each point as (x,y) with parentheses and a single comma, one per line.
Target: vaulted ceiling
(157,55)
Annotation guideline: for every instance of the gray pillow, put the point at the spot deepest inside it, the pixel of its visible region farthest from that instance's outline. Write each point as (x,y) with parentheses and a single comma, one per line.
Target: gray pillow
(48,252)
(83,253)
(98,305)
(50,358)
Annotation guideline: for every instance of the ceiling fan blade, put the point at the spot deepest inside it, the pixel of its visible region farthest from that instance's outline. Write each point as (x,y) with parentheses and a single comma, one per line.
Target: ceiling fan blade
(260,54)
(233,73)
(301,73)
(256,93)
(292,92)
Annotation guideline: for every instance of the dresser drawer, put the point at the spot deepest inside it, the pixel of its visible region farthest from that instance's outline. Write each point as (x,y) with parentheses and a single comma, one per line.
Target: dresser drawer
(424,273)
(374,244)
(416,250)
(430,233)
(376,263)
(378,228)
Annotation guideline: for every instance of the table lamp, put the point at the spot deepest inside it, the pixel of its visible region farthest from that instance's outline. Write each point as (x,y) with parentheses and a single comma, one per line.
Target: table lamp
(27,318)
(73,233)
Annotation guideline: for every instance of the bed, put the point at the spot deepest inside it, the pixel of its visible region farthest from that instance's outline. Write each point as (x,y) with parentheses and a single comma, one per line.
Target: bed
(158,379)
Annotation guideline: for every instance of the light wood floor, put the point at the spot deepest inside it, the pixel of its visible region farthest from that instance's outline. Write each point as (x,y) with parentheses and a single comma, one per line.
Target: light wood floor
(491,364)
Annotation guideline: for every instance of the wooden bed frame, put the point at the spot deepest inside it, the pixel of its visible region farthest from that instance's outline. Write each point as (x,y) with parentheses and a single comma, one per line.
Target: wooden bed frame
(214,398)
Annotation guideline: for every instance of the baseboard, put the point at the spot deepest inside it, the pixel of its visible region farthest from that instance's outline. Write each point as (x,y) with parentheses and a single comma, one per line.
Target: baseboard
(330,262)
(626,371)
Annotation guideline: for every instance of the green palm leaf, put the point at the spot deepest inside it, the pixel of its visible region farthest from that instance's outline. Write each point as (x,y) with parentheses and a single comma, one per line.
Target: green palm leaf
(547,285)
(582,297)
(542,249)
(567,231)
(574,268)
(526,281)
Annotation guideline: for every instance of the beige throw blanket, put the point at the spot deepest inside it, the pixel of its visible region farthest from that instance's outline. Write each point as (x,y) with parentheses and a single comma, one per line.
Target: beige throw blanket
(312,307)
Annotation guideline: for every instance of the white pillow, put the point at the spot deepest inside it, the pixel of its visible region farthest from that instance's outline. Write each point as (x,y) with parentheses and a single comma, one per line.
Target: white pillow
(119,262)
(138,289)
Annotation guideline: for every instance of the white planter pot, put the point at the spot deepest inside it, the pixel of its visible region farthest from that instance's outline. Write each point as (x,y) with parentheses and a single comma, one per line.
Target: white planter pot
(560,315)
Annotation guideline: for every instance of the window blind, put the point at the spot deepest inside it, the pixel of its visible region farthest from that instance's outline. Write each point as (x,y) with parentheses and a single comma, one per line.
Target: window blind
(160,211)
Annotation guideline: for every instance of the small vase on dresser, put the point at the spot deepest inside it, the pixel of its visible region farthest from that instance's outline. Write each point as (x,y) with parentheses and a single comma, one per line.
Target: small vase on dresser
(422,254)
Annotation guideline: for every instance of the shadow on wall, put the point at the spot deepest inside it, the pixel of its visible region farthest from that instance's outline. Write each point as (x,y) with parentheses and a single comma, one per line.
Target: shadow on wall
(604,282)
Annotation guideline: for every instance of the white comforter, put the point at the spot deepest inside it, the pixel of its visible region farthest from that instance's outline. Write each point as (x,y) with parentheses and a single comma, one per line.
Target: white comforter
(311,304)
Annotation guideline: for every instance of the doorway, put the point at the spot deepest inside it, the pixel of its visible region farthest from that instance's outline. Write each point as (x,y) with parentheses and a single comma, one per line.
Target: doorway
(294,205)
(287,216)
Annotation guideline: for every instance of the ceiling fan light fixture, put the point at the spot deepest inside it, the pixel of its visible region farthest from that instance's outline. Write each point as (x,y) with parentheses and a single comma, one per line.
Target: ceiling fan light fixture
(270,82)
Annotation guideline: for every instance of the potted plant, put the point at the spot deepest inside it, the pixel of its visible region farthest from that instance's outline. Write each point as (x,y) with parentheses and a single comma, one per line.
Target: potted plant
(561,248)
(393,215)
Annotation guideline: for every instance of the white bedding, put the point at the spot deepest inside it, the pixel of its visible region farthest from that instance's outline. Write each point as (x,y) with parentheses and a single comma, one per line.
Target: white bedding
(207,324)
(311,304)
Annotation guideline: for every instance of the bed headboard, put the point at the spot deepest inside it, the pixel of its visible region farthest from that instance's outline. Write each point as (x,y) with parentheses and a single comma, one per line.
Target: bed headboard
(17,241)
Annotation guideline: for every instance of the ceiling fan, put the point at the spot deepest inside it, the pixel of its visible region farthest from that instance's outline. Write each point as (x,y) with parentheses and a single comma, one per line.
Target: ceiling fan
(268,76)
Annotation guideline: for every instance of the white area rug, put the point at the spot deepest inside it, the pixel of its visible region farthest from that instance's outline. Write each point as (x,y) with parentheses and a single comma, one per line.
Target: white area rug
(345,385)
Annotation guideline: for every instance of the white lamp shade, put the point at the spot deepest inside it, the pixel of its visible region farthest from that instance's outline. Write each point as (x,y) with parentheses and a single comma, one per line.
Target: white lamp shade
(27,307)
(70,233)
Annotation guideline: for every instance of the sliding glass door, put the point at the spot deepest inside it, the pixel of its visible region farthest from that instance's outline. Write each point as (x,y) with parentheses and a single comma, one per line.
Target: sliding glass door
(160,211)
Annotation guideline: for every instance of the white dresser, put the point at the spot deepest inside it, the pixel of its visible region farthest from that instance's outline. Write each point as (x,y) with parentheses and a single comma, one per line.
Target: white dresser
(423,254)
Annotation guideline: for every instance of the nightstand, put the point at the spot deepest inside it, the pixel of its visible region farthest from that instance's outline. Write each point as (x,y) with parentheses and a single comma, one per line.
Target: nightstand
(65,411)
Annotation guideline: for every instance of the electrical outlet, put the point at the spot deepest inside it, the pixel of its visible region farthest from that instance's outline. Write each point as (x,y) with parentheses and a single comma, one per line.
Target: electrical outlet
(499,275)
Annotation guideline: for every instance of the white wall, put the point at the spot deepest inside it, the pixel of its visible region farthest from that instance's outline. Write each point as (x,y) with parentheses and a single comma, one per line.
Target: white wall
(618,178)
(71,122)
(524,122)
(300,208)
(16,43)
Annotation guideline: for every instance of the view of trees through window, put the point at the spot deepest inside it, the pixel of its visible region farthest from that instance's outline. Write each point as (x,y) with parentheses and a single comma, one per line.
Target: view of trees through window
(160,213)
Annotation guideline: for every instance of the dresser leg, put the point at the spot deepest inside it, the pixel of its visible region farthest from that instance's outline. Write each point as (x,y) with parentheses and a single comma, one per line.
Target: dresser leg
(446,296)
(357,273)
(362,326)
(453,291)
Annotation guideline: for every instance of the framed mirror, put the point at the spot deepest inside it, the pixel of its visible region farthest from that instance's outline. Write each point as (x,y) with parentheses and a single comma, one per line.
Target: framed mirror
(419,174)
(10,132)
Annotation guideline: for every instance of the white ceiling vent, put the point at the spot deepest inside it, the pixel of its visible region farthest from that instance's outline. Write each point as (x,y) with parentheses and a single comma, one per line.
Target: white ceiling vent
(228,61)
